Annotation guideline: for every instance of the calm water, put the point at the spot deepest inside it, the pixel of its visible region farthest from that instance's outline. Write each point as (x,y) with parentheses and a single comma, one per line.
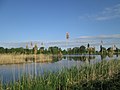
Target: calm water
(13,72)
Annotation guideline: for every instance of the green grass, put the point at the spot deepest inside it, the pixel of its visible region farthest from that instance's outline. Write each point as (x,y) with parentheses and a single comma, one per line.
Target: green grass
(104,75)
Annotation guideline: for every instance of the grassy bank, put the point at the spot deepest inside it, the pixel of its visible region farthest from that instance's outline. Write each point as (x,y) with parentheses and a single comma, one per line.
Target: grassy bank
(22,58)
(100,76)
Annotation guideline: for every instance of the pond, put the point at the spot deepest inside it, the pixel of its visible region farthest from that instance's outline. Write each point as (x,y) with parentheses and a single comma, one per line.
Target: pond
(13,72)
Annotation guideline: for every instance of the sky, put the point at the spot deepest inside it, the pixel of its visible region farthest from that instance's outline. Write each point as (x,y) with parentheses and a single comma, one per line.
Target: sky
(26,20)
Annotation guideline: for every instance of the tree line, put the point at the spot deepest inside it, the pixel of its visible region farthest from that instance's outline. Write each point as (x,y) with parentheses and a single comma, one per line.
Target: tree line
(56,50)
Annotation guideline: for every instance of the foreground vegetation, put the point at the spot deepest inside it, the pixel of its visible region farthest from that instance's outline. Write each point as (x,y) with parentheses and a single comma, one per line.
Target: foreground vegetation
(100,76)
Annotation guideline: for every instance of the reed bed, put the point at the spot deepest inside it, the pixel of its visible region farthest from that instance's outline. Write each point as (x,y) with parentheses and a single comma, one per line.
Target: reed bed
(22,58)
(100,76)
(12,58)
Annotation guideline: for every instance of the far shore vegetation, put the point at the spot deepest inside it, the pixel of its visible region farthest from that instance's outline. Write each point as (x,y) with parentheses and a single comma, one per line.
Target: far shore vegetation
(59,51)
(42,54)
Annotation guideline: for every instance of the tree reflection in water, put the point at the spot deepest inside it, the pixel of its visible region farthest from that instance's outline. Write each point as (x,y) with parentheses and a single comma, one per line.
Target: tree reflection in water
(103,56)
(81,58)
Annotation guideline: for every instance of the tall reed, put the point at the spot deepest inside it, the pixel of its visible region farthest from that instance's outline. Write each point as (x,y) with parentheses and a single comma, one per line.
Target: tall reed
(23,58)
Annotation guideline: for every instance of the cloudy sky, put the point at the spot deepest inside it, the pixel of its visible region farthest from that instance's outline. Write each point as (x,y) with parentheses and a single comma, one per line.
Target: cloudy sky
(26,20)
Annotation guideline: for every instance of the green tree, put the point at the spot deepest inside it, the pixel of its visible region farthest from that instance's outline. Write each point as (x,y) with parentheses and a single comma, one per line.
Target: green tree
(110,50)
(82,49)
(55,50)
(2,50)
(41,49)
(69,51)
(75,50)
(64,52)
(50,50)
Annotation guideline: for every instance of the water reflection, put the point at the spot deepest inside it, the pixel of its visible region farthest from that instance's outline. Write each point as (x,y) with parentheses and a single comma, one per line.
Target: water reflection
(56,58)
(80,58)
(103,56)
